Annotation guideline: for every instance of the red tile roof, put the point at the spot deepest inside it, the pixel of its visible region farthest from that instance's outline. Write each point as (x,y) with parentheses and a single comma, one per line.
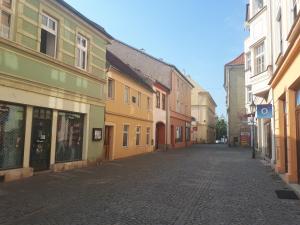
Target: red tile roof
(240,60)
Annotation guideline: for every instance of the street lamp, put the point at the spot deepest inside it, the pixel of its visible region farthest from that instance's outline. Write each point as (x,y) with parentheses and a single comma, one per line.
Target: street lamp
(253,110)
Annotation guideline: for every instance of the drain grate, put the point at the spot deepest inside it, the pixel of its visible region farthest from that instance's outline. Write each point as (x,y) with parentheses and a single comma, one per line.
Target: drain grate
(286,194)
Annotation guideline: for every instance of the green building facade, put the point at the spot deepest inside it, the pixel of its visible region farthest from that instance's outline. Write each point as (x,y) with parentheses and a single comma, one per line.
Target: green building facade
(52,88)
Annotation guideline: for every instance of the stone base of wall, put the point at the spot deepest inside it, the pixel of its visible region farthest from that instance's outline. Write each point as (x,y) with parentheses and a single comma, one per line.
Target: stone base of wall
(60,167)
(16,174)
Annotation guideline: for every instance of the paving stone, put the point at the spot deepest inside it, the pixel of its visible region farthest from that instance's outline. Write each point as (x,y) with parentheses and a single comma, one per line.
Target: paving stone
(203,184)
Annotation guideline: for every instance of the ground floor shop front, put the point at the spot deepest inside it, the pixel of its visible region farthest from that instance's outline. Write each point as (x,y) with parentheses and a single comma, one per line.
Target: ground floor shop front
(40,132)
(286,88)
(180,130)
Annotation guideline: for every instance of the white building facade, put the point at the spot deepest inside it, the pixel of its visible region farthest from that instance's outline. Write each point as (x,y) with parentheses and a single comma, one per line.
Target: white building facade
(269,23)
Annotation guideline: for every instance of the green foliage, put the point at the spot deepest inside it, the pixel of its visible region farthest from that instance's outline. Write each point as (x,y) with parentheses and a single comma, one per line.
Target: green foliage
(221,128)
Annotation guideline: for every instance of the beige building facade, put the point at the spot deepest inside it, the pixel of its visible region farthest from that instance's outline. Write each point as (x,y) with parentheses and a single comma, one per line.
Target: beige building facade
(203,109)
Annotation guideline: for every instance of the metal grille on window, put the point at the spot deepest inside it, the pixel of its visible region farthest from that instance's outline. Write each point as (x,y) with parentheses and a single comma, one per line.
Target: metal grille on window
(11,135)
(69,137)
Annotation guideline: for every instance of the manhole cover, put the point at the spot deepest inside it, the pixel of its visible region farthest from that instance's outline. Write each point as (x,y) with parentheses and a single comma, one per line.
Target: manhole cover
(286,194)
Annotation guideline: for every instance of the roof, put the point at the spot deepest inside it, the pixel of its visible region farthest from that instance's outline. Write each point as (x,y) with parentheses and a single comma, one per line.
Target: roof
(127,70)
(87,20)
(240,60)
(156,59)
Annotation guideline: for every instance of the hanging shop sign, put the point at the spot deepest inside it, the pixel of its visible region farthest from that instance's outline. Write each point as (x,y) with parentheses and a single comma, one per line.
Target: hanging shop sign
(265,111)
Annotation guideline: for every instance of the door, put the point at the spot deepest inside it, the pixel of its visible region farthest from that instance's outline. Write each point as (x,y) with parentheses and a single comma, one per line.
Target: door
(108,142)
(298,142)
(172,136)
(41,139)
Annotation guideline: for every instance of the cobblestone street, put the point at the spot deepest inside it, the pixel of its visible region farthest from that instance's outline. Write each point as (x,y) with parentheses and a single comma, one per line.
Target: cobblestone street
(205,184)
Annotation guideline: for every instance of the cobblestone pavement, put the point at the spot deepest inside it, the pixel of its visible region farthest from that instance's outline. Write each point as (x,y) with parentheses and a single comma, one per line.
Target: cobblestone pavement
(204,184)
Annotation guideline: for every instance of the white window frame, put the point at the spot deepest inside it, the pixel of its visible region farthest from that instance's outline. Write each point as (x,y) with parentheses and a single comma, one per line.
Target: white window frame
(81,49)
(126,92)
(48,29)
(256,9)
(138,135)
(248,61)
(125,132)
(8,11)
(259,58)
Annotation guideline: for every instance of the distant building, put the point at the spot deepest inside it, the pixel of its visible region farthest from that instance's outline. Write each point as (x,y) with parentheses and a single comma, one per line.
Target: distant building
(234,83)
(203,112)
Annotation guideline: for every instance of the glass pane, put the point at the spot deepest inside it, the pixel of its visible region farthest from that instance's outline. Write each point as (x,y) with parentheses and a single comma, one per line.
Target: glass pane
(298,98)
(69,137)
(78,39)
(83,42)
(83,63)
(77,57)
(6,3)
(52,25)
(44,20)
(11,136)
(5,25)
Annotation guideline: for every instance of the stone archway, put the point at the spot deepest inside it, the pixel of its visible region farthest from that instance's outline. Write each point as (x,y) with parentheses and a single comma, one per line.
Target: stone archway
(160,134)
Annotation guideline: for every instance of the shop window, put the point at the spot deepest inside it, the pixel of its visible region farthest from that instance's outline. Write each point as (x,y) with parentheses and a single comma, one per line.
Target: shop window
(125,135)
(69,137)
(138,135)
(179,134)
(148,136)
(12,130)
(163,101)
(81,52)
(48,35)
(5,18)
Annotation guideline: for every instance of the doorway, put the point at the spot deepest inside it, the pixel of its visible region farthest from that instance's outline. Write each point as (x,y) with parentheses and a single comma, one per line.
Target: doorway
(160,137)
(41,139)
(108,142)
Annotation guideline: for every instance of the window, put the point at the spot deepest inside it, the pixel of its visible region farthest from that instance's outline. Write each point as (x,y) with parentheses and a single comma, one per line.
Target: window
(138,135)
(139,97)
(178,134)
(12,131)
(298,98)
(48,35)
(69,137)
(157,99)
(163,101)
(258,5)
(188,132)
(81,52)
(279,32)
(126,94)
(259,58)
(248,61)
(250,95)
(295,10)
(148,104)
(5,18)
(125,135)
(111,89)
(177,106)
(148,136)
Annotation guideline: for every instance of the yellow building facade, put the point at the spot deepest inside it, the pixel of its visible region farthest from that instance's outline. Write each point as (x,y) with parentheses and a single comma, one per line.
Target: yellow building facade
(128,117)
(286,91)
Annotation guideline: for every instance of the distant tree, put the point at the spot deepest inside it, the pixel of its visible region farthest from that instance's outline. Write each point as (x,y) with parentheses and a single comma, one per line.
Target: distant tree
(221,128)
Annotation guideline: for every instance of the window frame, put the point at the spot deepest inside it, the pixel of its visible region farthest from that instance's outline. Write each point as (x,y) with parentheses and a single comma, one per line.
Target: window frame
(248,61)
(163,101)
(157,98)
(148,133)
(148,104)
(139,98)
(256,7)
(127,135)
(81,49)
(126,91)
(259,58)
(138,135)
(51,31)
(112,88)
(9,11)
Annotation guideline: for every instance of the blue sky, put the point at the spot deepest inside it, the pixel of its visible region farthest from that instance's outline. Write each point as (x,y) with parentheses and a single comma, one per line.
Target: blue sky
(197,36)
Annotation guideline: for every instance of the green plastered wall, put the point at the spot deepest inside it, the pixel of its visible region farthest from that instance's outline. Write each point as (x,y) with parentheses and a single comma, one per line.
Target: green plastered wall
(16,63)
(96,120)
(28,30)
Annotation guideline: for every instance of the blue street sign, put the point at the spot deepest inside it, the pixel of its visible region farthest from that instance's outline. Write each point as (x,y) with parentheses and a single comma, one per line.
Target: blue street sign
(264,111)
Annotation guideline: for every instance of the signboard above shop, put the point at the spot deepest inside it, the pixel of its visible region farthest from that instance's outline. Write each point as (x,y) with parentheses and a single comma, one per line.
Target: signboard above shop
(264,111)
